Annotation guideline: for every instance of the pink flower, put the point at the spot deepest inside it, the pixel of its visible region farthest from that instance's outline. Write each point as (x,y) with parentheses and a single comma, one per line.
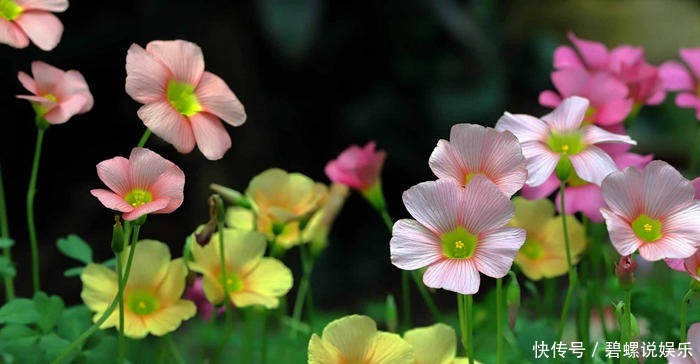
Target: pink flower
(582,196)
(146,183)
(688,265)
(692,354)
(652,211)
(643,81)
(182,102)
(474,149)
(22,20)
(457,233)
(356,167)
(560,133)
(594,56)
(57,95)
(205,309)
(685,80)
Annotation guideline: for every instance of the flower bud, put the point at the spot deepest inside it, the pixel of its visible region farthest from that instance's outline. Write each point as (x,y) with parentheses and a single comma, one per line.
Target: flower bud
(117,236)
(624,270)
(230,195)
(564,168)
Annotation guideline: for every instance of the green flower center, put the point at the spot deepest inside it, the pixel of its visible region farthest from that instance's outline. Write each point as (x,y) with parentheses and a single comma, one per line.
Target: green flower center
(138,197)
(532,250)
(142,303)
(469,177)
(9,10)
(232,283)
(39,109)
(568,143)
(646,228)
(458,243)
(181,96)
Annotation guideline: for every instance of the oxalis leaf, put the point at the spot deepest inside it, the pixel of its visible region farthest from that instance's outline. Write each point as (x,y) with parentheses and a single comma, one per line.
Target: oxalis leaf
(6,243)
(7,269)
(19,311)
(50,309)
(74,247)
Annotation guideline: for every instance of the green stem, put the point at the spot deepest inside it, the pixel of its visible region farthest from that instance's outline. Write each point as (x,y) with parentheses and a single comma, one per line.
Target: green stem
(112,306)
(387,219)
(572,273)
(120,299)
(469,301)
(144,138)
(5,233)
(406,299)
(174,353)
(684,311)
(626,333)
(31,192)
(499,320)
(304,287)
(432,307)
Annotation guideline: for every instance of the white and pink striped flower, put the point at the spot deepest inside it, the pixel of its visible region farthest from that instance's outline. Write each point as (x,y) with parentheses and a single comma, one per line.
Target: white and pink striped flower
(146,183)
(653,211)
(182,102)
(457,233)
(474,149)
(561,134)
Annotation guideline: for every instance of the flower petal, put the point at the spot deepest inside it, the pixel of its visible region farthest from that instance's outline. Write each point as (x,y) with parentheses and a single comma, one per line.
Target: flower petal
(43,28)
(168,124)
(269,279)
(115,174)
(168,319)
(665,189)
(622,192)
(150,264)
(541,191)
(184,59)
(613,111)
(211,136)
(112,201)
(66,109)
(622,236)
(322,352)
(482,207)
(568,115)
(691,57)
(594,135)
(667,247)
(155,206)
(435,204)
(146,167)
(27,82)
(531,215)
(390,348)
(433,344)
(173,285)
(352,336)
(170,184)
(594,54)
(570,81)
(12,35)
(541,162)
(587,199)
(456,275)
(593,164)
(676,77)
(46,76)
(549,98)
(99,287)
(218,99)
(525,127)
(55,6)
(566,57)
(413,246)
(445,162)
(496,251)
(146,77)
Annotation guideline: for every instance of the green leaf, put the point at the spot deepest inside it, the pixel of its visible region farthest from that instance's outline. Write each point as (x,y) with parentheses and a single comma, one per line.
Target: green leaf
(74,247)
(7,268)
(103,352)
(15,331)
(73,272)
(50,309)
(6,243)
(74,320)
(52,345)
(19,311)
(23,350)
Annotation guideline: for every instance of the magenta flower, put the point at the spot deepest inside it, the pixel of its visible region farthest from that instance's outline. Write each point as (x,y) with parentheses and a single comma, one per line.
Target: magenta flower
(457,233)
(146,183)
(560,133)
(356,167)
(474,149)
(182,102)
(205,309)
(643,81)
(24,20)
(652,211)
(57,95)
(686,81)
(594,56)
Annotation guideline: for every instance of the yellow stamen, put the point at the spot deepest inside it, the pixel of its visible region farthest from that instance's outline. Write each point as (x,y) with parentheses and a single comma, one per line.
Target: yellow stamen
(142,305)
(647,227)
(565,148)
(459,244)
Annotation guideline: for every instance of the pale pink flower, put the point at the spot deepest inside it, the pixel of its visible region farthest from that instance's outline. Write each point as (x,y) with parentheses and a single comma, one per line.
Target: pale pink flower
(457,233)
(182,102)
(24,20)
(146,183)
(582,196)
(474,149)
(688,265)
(561,133)
(57,95)
(685,80)
(653,211)
(357,167)
(692,355)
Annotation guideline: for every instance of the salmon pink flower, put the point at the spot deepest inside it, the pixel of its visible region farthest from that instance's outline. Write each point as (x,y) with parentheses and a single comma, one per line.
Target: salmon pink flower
(559,136)
(474,149)
(146,183)
(357,167)
(685,80)
(457,233)
(182,102)
(24,20)
(653,211)
(57,95)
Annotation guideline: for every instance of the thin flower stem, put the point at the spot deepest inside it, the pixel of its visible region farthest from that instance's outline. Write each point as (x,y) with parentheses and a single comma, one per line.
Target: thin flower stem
(112,306)
(303,294)
(174,352)
(5,233)
(462,322)
(120,299)
(144,138)
(626,333)
(684,311)
(469,301)
(31,192)
(432,307)
(572,273)
(387,219)
(499,320)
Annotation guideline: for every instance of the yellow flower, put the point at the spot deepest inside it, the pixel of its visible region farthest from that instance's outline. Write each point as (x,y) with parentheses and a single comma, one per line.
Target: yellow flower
(152,302)
(355,339)
(543,255)
(317,229)
(281,200)
(251,279)
(436,344)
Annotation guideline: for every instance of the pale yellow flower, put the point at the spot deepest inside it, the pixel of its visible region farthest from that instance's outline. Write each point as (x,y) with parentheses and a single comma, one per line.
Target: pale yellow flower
(281,200)
(152,295)
(355,339)
(436,344)
(250,278)
(317,229)
(543,255)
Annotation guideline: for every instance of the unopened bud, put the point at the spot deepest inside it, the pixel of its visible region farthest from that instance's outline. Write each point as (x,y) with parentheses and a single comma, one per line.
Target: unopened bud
(117,236)
(204,235)
(564,168)
(230,195)
(624,269)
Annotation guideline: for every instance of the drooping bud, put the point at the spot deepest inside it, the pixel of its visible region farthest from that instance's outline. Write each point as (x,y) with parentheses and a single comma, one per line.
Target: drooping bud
(230,195)
(624,269)
(513,299)
(117,236)
(204,235)
(390,314)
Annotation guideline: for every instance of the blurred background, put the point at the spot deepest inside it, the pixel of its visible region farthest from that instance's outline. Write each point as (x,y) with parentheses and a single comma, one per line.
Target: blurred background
(315,76)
